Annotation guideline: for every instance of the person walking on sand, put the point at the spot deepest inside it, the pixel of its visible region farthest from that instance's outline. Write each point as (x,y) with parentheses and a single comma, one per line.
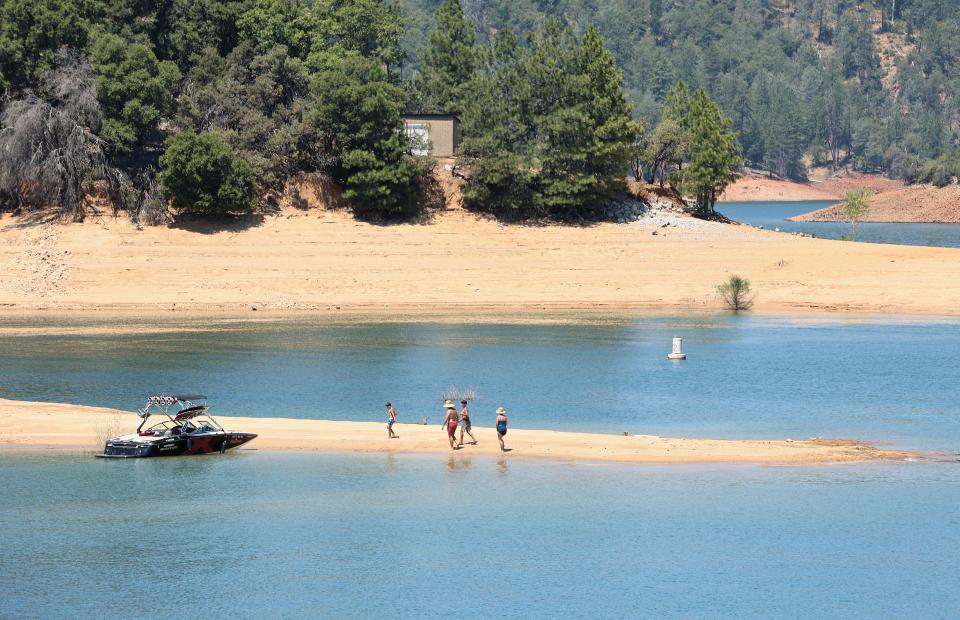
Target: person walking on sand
(391,420)
(501,426)
(451,422)
(465,425)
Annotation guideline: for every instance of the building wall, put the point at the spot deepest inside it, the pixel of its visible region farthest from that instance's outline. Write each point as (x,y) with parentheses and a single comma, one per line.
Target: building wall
(443,133)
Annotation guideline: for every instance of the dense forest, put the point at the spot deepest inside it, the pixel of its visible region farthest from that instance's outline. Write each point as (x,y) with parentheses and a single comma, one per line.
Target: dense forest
(873,86)
(211,105)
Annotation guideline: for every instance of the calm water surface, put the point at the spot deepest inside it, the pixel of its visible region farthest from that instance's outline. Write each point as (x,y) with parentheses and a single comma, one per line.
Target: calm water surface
(300,535)
(746,376)
(254,534)
(774,214)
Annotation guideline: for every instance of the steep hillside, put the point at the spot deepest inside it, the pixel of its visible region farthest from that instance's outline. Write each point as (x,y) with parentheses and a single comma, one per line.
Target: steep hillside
(844,83)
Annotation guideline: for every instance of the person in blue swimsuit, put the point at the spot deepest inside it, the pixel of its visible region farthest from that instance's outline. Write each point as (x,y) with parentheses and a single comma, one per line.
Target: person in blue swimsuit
(501,426)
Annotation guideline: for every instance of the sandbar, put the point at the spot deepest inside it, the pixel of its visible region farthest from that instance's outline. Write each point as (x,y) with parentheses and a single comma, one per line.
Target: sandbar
(76,427)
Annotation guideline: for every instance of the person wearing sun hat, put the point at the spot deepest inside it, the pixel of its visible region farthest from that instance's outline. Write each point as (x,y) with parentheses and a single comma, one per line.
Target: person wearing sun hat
(501,426)
(451,421)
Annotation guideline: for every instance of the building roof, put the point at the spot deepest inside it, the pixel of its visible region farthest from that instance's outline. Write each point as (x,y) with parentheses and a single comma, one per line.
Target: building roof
(437,116)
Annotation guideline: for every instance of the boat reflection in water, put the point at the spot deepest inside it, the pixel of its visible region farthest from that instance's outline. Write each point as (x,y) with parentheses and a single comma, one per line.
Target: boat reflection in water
(187,428)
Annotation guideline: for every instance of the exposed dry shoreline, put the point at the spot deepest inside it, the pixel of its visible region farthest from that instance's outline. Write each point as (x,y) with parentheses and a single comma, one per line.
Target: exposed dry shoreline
(912,205)
(320,261)
(760,187)
(76,427)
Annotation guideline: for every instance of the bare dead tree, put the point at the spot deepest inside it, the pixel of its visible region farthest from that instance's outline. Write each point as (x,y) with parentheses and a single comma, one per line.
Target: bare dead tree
(151,206)
(50,154)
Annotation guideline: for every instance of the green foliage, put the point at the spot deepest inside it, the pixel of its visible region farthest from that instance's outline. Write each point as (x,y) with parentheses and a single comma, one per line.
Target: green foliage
(548,129)
(714,154)
(31,31)
(356,116)
(270,23)
(818,62)
(185,27)
(736,293)
(257,101)
(369,28)
(855,205)
(134,88)
(941,171)
(448,63)
(318,85)
(200,173)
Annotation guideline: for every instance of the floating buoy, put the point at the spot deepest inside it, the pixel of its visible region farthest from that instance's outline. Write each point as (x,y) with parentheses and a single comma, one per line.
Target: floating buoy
(677,354)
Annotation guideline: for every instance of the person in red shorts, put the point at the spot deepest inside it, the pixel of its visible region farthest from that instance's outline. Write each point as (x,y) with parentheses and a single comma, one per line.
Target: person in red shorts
(451,421)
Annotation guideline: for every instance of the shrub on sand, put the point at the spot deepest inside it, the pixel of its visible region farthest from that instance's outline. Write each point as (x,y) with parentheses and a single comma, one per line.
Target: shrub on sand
(736,293)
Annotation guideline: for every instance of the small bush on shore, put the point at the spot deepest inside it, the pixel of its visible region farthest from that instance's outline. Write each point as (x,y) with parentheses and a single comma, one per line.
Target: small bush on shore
(855,205)
(736,293)
(200,173)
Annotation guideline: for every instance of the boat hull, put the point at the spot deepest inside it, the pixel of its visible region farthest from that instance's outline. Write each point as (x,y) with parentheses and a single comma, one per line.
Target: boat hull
(175,446)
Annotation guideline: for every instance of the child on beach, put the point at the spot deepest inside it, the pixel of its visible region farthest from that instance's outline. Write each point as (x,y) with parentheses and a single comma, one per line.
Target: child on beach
(465,426)
(391,419)
(501,426)
(450,422)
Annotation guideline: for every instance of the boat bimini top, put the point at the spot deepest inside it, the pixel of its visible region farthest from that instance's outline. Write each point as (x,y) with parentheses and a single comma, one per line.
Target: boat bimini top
(178,408)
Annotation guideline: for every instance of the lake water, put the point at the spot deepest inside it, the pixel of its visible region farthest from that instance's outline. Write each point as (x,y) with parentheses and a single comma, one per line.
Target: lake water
(772,215)
(746,376)
(261,534)
(304,535)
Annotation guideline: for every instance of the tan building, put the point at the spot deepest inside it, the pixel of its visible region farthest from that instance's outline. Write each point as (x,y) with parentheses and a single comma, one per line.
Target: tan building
(437,135)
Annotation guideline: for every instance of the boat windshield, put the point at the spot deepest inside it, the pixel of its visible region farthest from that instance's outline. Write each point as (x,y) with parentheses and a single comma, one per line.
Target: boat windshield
(199,424)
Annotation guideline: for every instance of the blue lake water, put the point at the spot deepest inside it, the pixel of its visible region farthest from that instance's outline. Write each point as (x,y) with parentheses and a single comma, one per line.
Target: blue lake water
(266,534)
(772,215)
(303,535)
(746,376)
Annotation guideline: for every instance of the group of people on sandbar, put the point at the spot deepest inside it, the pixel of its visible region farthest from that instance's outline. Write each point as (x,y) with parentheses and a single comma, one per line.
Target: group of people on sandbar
(453,420)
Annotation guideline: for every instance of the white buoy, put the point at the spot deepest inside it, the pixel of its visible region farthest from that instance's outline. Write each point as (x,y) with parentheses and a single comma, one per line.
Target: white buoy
(677,354)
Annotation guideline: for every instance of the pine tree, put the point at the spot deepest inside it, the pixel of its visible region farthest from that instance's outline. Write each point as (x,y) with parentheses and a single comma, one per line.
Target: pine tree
(613,130)
(448,63)
(714,152)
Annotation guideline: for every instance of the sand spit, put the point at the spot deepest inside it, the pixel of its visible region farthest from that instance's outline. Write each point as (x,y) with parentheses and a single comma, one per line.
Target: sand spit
(53,425)
(325,261)
(759,187)
(912,205)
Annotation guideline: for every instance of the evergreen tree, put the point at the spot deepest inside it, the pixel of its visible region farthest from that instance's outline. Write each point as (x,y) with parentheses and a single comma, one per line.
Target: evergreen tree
(714,153)
(612,129)
(134,88)
(201,173)
(549,129)
(448,63)
(357,118)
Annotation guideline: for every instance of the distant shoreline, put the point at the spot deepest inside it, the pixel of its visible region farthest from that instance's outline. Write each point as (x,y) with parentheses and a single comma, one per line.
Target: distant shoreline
(76,427)
(911,205)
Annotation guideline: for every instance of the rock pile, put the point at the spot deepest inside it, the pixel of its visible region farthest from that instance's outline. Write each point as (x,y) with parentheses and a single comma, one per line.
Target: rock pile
(658,211)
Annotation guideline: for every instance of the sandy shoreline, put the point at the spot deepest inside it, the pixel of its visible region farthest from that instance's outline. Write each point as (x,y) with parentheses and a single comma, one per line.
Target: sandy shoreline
(911,205)
(761,188)
(75,427)
(325,262)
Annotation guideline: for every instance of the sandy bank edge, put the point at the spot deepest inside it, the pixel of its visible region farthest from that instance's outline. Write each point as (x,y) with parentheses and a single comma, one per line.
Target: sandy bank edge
(76,427)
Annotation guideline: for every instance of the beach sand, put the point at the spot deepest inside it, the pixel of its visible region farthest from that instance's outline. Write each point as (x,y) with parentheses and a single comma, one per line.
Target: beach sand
(63,426)
(324,261)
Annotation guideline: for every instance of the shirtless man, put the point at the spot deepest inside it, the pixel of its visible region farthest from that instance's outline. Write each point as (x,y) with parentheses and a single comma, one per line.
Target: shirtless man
(465,424)
(391,420)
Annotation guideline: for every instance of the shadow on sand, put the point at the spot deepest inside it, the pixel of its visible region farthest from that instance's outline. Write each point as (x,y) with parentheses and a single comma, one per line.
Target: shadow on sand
(209,225)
